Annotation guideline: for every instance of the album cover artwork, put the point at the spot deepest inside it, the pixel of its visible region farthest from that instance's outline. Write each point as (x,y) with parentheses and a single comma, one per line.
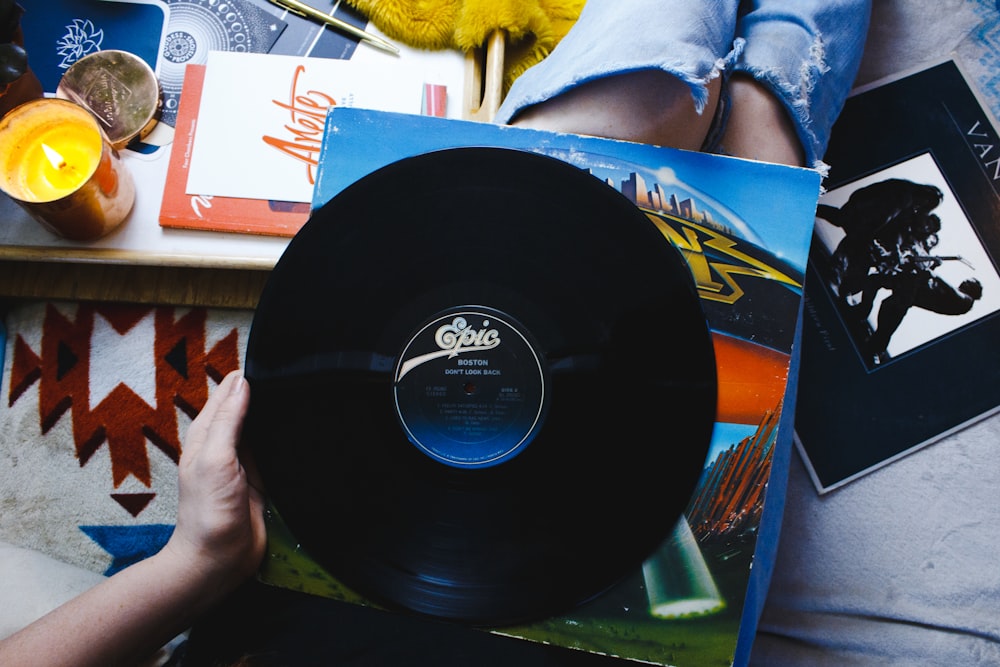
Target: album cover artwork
(899,337)
(743,229)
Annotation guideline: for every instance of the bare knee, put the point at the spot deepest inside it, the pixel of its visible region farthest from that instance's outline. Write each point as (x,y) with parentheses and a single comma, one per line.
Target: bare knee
(759,127)
(646,106)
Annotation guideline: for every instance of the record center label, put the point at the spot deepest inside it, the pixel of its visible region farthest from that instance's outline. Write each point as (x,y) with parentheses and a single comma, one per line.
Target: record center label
(470,388)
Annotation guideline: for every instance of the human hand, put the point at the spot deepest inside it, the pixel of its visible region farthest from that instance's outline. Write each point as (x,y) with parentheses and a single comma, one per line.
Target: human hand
(219,540)
(220,530)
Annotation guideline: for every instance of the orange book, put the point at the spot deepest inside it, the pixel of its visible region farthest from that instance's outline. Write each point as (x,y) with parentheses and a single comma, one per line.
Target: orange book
(222,214)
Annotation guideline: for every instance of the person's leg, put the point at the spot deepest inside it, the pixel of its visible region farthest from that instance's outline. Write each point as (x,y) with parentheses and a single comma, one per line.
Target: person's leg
(790,64)
(938,296)
(33,584)
(759,127)
(792,77)
(647,106)
(892,311)
(637,70)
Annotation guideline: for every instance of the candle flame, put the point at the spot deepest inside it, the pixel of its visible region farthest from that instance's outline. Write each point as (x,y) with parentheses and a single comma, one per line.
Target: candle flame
(57,160)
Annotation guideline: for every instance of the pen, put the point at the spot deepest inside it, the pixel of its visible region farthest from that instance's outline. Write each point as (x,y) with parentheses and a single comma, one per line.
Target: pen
(306,11)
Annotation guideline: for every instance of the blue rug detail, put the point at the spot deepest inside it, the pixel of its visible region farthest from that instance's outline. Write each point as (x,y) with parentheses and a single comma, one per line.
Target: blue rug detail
(129,544)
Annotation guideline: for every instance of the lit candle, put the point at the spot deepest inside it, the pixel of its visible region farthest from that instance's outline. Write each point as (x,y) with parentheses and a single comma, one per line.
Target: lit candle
(56,162)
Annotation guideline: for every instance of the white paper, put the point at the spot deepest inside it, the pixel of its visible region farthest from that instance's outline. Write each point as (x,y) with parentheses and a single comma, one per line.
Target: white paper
(260,123)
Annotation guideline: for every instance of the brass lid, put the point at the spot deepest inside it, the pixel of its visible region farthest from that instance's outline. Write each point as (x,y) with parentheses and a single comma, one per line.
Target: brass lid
(119,88)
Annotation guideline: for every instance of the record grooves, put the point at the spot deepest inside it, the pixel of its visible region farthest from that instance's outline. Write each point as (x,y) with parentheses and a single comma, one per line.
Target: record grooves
(482,386)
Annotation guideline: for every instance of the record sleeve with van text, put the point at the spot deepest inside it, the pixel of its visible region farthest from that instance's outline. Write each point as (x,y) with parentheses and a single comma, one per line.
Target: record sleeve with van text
(900,329)
(744,230)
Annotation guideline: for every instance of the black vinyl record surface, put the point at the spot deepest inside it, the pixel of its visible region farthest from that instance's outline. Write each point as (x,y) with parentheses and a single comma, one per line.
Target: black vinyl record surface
(482,386)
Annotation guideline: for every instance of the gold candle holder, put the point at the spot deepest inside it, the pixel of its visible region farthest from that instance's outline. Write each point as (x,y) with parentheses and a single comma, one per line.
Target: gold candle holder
(57,163)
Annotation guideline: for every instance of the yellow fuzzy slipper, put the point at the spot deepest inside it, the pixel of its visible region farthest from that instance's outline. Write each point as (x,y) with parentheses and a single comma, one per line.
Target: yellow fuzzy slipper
(532,27)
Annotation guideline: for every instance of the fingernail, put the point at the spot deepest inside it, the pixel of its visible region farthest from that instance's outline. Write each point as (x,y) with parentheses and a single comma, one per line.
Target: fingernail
(238,384)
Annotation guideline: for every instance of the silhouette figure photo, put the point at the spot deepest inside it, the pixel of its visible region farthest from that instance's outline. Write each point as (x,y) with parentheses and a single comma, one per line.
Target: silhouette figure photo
(904,265)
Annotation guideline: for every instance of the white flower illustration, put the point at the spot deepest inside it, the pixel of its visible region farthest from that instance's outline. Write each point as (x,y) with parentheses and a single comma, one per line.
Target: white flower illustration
(81,38)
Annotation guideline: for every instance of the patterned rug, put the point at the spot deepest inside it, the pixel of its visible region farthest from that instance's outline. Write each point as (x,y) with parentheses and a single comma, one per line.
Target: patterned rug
(96,399)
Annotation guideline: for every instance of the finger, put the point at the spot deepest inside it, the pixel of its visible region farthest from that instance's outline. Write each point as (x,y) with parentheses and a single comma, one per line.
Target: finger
(198,432)
(226,421)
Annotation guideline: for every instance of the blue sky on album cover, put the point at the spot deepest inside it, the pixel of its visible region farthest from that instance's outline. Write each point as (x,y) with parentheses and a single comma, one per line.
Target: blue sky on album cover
(777,202)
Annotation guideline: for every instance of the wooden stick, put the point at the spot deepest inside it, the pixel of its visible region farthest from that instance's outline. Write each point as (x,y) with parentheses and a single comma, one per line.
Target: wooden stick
(484,79)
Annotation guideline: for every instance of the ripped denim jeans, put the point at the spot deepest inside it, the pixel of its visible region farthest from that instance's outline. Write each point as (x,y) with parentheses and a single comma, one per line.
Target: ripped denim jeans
(806,52)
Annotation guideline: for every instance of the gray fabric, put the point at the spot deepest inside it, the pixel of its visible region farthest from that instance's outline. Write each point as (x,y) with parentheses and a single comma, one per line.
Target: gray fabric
(899,567)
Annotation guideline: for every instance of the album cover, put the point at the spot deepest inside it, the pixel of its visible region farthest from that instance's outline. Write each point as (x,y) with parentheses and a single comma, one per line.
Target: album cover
(899,337)
(743,228)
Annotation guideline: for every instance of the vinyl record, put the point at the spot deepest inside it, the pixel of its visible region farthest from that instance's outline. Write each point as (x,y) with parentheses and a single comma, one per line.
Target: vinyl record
(482,386)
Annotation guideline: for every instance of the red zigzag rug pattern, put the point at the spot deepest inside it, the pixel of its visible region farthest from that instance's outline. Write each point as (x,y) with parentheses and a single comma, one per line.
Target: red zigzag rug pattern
(97,398)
